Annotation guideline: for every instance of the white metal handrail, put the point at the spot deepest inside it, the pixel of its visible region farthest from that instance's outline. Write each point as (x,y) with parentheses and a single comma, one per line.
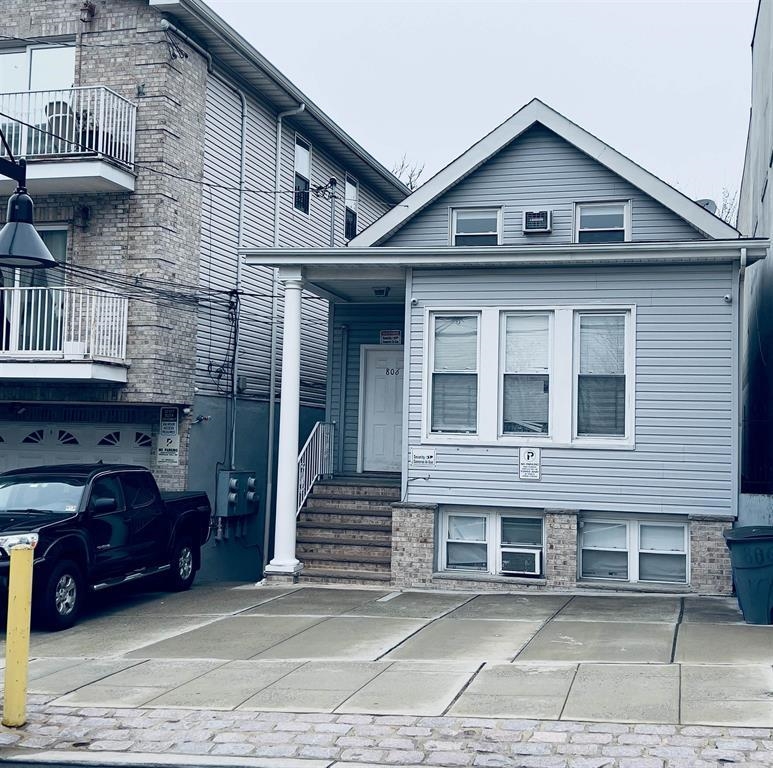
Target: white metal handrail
(69,121)
(61,322)
(315,459)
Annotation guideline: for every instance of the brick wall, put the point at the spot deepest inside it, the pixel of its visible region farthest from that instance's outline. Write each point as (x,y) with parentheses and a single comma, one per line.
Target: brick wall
(710,571)
(413,544)
(561,549)
(152,233)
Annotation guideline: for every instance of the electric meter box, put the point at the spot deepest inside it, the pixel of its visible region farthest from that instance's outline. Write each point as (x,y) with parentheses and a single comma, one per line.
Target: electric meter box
(236,493)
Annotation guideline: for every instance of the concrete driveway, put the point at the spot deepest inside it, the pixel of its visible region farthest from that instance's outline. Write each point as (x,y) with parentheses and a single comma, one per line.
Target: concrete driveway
(632,658)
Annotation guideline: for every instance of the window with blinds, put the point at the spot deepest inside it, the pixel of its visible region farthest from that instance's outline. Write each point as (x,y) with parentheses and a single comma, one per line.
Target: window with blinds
(601,375)
(526,373)
(454,396)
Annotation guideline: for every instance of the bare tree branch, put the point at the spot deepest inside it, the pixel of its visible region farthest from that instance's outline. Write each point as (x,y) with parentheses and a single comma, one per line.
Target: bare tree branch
(408,172)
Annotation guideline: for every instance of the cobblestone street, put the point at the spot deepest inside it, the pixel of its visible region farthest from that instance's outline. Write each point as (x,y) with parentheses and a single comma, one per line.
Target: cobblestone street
(327,739)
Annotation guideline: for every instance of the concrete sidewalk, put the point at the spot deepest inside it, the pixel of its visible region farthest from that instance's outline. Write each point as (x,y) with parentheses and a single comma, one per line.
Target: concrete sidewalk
(219,658)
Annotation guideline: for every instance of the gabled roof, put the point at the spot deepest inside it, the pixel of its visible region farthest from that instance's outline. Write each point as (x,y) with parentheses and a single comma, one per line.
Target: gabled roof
(538,112)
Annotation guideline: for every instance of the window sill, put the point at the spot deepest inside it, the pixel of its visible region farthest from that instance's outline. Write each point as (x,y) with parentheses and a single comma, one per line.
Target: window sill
(515,442)
(626,586)
(487,577)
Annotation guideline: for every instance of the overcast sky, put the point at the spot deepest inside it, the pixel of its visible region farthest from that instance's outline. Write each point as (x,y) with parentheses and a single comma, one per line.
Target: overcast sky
(666,82)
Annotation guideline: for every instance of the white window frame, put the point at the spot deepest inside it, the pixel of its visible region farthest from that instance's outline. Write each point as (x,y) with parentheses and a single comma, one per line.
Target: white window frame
(452,212)
(302,138)
(494,546)
(578,206)
(429,353)
(627,438)
(350,180)
(633,542)
(562,389)
(503,372)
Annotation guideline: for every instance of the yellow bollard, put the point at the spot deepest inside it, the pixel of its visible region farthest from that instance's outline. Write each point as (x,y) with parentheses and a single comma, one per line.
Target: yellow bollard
(17,649)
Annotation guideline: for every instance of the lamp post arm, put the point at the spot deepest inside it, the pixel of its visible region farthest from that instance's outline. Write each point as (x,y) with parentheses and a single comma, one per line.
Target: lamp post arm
(16,171)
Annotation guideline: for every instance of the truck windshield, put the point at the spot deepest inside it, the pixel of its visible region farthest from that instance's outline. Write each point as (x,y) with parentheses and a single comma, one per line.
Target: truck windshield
(55,494)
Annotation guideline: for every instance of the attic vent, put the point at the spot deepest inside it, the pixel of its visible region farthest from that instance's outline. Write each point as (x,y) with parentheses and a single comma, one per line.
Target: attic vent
(537,221)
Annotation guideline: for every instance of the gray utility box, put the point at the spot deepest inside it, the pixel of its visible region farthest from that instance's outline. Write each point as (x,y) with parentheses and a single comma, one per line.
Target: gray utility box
(236,493)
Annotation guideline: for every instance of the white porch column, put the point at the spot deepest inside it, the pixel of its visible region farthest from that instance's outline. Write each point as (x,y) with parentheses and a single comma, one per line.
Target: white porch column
(284,560)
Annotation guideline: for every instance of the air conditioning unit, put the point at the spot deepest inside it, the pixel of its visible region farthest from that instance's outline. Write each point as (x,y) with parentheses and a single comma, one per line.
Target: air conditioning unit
(521,562)
(537,221)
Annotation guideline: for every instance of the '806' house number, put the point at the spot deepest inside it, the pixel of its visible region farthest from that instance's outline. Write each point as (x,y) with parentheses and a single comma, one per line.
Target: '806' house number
(392,371)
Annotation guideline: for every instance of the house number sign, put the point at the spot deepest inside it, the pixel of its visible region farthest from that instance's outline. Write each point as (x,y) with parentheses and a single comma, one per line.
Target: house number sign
(529,463)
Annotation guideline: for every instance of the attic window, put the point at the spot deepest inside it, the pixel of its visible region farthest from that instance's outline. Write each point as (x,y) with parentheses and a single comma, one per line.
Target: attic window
(302,174)
(476,226)
(603,222)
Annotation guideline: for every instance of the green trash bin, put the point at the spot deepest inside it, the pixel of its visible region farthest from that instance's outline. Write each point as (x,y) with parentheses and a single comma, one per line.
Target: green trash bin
(751,555)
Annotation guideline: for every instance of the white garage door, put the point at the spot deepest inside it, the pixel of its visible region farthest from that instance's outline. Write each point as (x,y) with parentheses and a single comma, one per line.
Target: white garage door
(30,444)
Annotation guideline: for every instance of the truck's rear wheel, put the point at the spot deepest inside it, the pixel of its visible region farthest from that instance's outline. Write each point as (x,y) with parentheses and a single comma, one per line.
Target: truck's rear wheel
(182,569)
(59,601)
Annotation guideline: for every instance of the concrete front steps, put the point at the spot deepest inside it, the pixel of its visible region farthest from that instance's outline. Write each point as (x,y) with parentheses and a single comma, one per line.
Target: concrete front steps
(345,530)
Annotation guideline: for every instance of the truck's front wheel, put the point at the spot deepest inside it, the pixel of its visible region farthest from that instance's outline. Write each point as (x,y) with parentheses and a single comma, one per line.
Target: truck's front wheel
(59,602)
(182,569)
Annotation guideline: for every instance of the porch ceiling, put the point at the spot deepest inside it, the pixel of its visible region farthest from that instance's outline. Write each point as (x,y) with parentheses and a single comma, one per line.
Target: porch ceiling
(384,286)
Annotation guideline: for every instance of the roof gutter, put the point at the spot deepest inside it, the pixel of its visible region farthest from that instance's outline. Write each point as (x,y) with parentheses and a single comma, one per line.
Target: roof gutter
(567,255)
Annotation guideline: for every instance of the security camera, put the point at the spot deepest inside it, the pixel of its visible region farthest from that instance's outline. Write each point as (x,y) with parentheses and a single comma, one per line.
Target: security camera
(727,298)
(414,302)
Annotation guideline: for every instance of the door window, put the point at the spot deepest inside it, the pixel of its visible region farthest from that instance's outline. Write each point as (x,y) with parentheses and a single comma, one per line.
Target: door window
(106,487)
(140,491)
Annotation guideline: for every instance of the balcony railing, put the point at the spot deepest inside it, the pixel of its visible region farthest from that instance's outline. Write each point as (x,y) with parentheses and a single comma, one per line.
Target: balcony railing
(64,323)
(71,122)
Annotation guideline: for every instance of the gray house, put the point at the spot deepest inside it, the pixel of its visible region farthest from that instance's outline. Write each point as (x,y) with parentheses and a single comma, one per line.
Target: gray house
(158,141)
(533,371)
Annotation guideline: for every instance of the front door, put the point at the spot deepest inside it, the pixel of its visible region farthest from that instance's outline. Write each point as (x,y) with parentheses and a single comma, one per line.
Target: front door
(381,412)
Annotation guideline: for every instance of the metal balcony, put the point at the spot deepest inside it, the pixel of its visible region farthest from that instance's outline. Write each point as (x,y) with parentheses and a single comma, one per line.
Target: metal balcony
(75,139)
(69,333)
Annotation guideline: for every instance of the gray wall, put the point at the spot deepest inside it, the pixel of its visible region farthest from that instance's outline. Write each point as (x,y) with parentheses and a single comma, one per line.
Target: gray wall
(540,170)
(358,324)
(685,360)
(236,559)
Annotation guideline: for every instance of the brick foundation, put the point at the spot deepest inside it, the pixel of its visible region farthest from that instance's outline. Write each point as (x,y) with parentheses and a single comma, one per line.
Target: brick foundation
(414,557)
(710,571)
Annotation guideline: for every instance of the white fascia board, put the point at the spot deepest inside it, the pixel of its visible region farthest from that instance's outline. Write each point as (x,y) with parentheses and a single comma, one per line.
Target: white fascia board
(39,370)
(497,256)
(538,112)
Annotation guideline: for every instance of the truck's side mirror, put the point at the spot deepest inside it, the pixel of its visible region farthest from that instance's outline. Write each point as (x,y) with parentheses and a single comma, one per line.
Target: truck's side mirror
(106,504)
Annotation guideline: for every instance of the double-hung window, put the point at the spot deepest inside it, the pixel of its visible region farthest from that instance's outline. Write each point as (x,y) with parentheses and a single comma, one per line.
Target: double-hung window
(634,550)
(351,200)
(602,222)
(476,226)
(454,385)
(526,373)
(492,542)
(302,174)
(601,376)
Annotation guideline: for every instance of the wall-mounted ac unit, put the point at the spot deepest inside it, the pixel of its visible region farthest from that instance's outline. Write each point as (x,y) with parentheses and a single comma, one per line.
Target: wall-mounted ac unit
(521,562)
(537,221)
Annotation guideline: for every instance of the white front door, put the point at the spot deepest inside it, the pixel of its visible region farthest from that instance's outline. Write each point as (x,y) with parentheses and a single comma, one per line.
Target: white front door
(381,411)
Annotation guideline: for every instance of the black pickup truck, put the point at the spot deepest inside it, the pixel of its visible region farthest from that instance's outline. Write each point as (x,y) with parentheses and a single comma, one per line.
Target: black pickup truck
(98,525)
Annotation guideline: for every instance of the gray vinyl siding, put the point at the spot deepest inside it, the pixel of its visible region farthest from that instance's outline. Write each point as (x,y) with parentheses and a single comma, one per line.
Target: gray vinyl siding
(359,324)
(219,243)
(685,389)
(537,171)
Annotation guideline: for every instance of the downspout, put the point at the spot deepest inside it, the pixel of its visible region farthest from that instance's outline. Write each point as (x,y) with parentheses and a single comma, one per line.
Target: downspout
(740,353)
(239,262)
(168,26)
(274,303)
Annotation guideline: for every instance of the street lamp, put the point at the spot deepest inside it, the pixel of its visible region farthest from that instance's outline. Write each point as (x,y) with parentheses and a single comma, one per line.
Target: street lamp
(20,244)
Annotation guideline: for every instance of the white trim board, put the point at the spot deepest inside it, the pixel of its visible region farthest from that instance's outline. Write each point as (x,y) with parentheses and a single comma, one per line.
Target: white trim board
(538,112)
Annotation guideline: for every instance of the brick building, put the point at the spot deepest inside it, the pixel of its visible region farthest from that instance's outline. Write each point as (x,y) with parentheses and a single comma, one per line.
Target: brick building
(158,142)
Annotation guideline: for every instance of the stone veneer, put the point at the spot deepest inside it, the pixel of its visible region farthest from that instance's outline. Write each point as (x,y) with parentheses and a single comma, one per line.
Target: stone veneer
(414,556)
